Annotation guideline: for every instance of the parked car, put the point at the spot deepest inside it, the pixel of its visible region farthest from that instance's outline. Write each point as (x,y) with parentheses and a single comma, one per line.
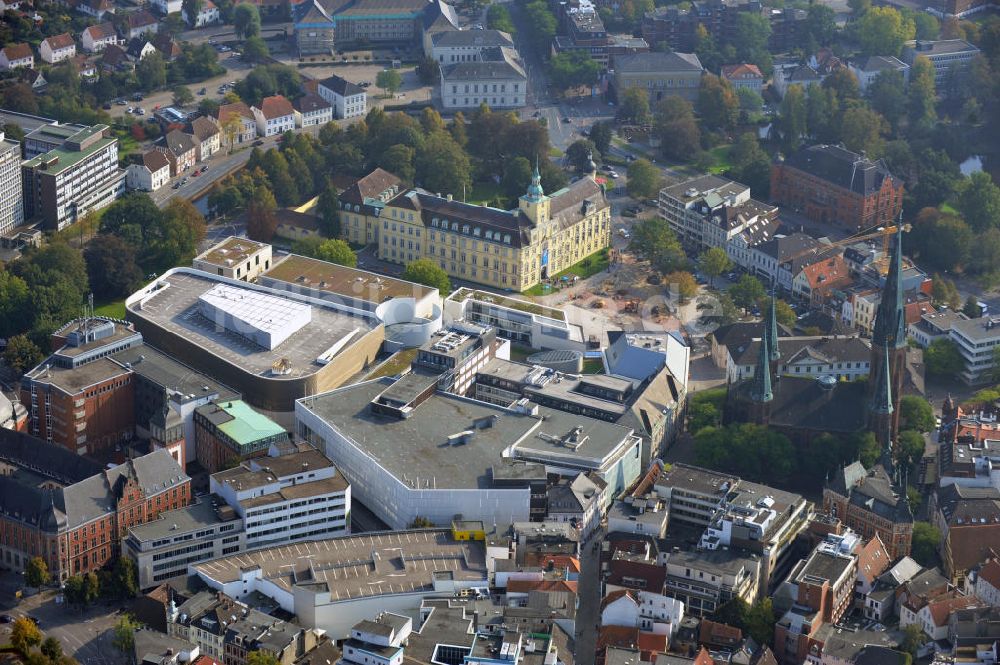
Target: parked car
(613,175)
(121,102)
(204,168)
(6,618)
(137,97)
(177,185)
(203,91)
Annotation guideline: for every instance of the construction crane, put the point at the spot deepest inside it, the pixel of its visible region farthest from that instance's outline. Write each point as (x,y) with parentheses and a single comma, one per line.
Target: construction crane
(883,232)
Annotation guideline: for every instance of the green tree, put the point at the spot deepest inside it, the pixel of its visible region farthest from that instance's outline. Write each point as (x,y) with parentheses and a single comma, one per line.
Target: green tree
(634,106)
(913,639)
(844,83)
(821,24)
(541,25)
(793,117)
(389,80)
(863,130)
(713,262)
(151,72)
(911,446)
(15,304)
(718,106)
(428,273)
(572,69)
(653,240)
(22,354)
(944,293)
(111,266)
(516,176)
(498,18)
(971,308)
(329,218)
(443,166)
(246,21)
(941,240)
(683,284)
(336,251)
(579,154)
(183,95)
(760,622)
(644,179)
(600,136)
(36,573)
(916,413)
(750,100)
(675,125)
(921,95)
(52,649)
(753,30)
(868,450)
(175,241)
(124,577)
(751,165)
(883,30)
(24,634)
(784,313)
(261,222)
(979,201)
(750,450)
(255,50)
(732,613)
(190,9)
(429,71)
(398,159)
(747,292)
(887,95)
(924,544)
(124,638)
(943,359)
(927,26)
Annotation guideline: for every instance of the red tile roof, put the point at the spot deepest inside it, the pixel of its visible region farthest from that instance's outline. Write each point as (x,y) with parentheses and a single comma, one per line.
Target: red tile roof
(941,609)
(825,272)
(236,108)
(703,658)
(615,595)
(101,31)
(990,573)
(17,52)
(524,586)
(276,107)
(56,42)
(741,71)
(873,560)
(713,633)
(558,561)
(140,19)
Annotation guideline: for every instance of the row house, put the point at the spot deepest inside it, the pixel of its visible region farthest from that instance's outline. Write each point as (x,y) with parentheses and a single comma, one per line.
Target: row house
(934,617)
(181,151)
(275,116)
(57,48)
(312,110)
(207,137)
(648,611)
(149,174)
(779,259)
(237,124)
(816,282)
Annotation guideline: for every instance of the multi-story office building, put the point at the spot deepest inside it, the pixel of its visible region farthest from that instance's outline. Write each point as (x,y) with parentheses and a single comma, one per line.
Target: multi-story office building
(951,58)
(48,137)
(448,48)
(678,28)
(976,340)
(704,581)
(164,547)
(521,321)
(11,194)
(236,258)
(293,494)
(72,512)
(321,26)
(65,183)
(509,249)
(496,78)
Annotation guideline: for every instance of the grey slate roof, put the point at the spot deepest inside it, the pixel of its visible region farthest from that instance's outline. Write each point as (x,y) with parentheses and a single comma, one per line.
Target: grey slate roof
(497,63)
(636,63)
(472,38)
(179,143)
(841,167)
(341,86)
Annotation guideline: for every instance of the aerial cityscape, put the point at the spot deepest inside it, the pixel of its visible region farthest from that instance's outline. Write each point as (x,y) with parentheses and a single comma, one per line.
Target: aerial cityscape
(499,332)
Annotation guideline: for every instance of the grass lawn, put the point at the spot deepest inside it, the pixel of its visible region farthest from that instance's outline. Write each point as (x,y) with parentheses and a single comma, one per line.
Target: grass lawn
(114,309)
(485,192)
(593,366)
(590,265)
(720,159)
(949,209)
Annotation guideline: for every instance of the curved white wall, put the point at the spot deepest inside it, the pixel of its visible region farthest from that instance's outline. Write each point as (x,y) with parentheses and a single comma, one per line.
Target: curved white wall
(404,328)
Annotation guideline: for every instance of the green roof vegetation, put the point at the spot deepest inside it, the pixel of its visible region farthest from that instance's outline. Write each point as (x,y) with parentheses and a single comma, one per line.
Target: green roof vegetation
(247,426)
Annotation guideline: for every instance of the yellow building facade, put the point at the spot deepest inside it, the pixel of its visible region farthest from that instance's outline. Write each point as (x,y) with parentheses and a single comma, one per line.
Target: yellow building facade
(506,249)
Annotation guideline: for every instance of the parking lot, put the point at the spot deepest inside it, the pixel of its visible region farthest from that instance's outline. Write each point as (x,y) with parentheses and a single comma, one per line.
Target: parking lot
(410,91)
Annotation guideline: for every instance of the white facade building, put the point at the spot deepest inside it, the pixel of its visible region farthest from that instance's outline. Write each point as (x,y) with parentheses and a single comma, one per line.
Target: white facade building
(647,611)
(868,69)
(16,55)
(976,340)
(311,110)
(453,46)
(208,14)
(287,498)
(11,194)
(98,37)
(348,100)
(57,48)
(275,116)
(166,6)
(497,78)
(151,174)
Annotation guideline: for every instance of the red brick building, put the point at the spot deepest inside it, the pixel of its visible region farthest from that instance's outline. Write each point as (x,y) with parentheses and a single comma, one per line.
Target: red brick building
(833,185)
(72,512)
(867,503)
